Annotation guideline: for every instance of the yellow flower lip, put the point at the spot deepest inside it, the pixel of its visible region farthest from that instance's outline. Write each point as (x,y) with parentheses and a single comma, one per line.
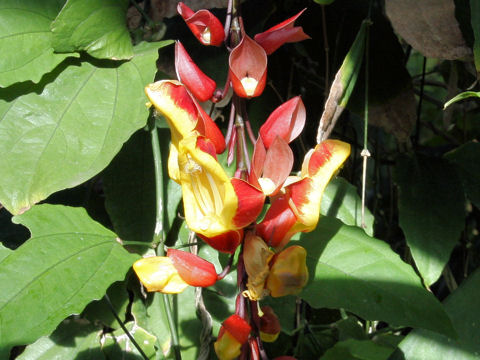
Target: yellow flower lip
(249,85)
(158,273)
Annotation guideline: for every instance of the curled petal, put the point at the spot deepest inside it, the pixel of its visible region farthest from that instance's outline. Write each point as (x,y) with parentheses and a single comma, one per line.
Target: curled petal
(280,34)
(248,68)
(203,24)
(256,255)
(158,273)
(289,272)
(277,166)
(250,203)
(194,270)
(199,84)
(269,325)
(286,121)
(227,242)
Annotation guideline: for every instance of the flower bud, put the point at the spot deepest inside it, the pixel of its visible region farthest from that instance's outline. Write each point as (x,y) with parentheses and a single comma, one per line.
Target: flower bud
(289,272)
(232,335)
(203,24)
(194,270)
(269,325)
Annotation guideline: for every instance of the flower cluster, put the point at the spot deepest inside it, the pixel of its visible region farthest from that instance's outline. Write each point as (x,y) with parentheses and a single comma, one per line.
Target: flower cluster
(223,210)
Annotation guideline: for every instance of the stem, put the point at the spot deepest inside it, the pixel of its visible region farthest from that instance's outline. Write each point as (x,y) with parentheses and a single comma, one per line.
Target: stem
(158,235)
(143,13)
(134,342)
(327,52)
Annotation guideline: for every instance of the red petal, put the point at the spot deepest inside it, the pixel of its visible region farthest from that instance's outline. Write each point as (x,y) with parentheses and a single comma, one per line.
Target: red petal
(248,59)
(204,144)
(300,190)
(278,162)
(269,322)
(194,270)
(250,202)
(258,159)
(238,327)
(200,85)
(279,219)
(226,243)
(322,153)
(286,121)
(200,21)
(210,130)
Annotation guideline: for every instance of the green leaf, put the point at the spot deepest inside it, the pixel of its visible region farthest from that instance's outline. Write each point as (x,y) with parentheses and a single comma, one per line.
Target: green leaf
(25,40)
(475,20)
(69,261)
(462,306)
(461,96)
(431,211)
(119,346)
(350,270)
(73,339)
(467,160)
(4,252)
(96,26)
(72,129)
(340,200)
(324,2)
(357,350)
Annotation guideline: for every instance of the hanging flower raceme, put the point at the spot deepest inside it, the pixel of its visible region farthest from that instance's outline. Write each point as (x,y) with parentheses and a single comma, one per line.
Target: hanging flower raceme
(280,34)
(203,24)
(248,68)
(216,206)
(184,117)
(299,208)
(199,84)
(232,335)
(173,273)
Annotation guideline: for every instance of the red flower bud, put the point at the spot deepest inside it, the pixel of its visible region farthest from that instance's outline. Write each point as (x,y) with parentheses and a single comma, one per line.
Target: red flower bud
(199,84)
(248,68)
(194,270)
(269,325)
(286,121)
(280,34)
(203,24)
(232,335)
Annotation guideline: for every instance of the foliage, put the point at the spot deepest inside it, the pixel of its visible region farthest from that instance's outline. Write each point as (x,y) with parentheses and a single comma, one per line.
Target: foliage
(85,190)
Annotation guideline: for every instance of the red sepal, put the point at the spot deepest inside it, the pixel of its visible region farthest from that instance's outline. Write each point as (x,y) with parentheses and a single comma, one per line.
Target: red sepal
(227,242)
(201,21)
(194,270)
(280,34)
(250,202)
(248,59)
(279,219)
(238,327)
(208,128)
(199,84)
(286,121)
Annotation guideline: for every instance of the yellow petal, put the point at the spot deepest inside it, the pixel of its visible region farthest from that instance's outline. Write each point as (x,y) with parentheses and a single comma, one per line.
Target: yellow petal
(289,273)
(227,347)
(158,274)
(256,256)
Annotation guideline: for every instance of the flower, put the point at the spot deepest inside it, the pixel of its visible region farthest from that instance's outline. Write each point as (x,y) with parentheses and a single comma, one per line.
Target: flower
(288,273)
(214,204)
(172,274)
(269,325)
(232,335)
(248,68)
(203,24)
(256,256)
(184,117)
(298,209)
(199,84)
(280,34)
(286,121)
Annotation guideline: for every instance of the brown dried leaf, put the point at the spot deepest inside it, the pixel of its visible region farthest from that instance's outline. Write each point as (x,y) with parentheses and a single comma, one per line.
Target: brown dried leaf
(396,116)
(429,26)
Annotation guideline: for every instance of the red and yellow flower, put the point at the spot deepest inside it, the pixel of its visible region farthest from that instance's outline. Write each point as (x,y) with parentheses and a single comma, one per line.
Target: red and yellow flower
(232,335)
(203,24)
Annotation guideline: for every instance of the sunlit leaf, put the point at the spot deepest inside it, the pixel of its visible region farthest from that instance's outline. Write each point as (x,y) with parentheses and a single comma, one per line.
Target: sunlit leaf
(349,269)
(73,339)
(69,261)
(431,211)
(118,345)
(462,306)
(462,96)
(25,40)
(72,130)
(96,26)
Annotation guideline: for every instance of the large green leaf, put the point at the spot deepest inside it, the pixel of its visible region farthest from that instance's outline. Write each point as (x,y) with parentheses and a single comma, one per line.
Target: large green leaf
(4,251)
(96,26)
(349,269)
(25,40)
(357,350)
(118,345)
(69,261)
(431,211)
(462,306)
(73,339)
(340,200)
(467,159)
(72,130)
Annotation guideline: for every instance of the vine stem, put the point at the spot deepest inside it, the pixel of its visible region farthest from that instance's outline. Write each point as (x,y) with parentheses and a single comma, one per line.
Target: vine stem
(159,234)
